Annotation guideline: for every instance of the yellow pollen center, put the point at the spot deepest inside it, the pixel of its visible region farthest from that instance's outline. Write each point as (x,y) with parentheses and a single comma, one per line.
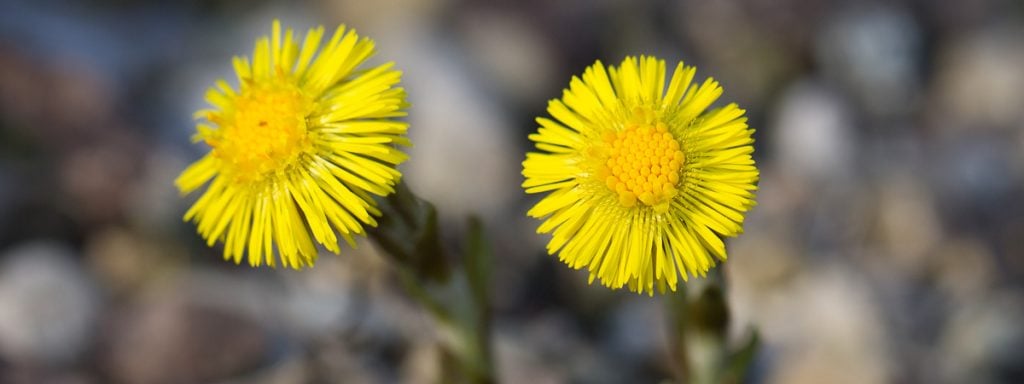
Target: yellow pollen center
(266,133)
(643,165)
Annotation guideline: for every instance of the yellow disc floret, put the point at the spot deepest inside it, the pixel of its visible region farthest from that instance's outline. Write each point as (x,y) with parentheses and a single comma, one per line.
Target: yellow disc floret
(643,164)
(265,132)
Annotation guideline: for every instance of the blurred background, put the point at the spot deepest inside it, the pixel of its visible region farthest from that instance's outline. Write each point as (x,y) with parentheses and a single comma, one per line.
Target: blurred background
(887,246)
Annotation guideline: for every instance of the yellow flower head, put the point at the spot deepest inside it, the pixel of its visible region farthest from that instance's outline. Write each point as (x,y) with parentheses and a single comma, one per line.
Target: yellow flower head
(297,150)
(642,182)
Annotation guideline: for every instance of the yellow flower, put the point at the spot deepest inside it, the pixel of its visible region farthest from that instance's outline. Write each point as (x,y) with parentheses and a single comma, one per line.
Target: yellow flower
(297,149)
(642,182)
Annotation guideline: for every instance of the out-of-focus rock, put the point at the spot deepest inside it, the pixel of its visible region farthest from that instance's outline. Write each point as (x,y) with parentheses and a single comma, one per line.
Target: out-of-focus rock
(728,36)
(390,320)
(84,98)
(381,16)
(154,203)
(874,51)
(551,348)
(171,339)
(126,262)
(8,191)
(762,259)
(511,55)
(334,296)
(335,362)
(517,363)
(1009,242)
(462,160)
(781,194)
(350,307)
(983,341)
(98,180)
(20,93)
(22,375)
(821,326)
(294,370)
(48,305)
(813,133)
(906,225)
(56,106)
(422,365)
(979,82)
(964,267)
(637,330)
(244,325)
(974,175)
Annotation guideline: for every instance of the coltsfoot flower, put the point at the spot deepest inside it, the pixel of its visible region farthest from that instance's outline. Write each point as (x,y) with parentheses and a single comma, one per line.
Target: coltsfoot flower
(297,149)
(641,181)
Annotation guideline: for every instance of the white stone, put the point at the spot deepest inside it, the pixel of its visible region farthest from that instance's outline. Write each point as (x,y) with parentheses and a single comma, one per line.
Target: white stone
(812,132)
(48,305)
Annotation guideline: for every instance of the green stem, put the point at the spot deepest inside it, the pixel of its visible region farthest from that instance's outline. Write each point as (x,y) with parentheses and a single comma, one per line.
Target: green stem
(456,295)
(700,321)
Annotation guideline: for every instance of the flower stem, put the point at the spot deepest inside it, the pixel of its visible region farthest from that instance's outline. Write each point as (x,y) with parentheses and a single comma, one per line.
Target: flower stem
(456,295)
(699,317)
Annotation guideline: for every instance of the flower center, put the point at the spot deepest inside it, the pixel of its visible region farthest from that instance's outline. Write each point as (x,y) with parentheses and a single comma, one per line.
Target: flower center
(643,164)
(266,133)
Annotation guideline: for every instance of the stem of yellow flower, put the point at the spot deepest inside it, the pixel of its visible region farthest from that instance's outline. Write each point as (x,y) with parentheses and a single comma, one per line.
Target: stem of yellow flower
(456,295)
(699,317)
(407,230)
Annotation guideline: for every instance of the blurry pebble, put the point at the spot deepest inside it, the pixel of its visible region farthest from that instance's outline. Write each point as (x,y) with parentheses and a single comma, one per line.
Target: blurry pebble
(874,51)
(979,81)
(154,204)
(510,54)
(975,174)
(462,160)
(325,299)
(813,133)
(98,180)
(984,339)
(727,36)
(124,262)
(23,375)
(170,339)
(293,370)
(517,363)
(48,305)
(766,258)
(820,326)
(386,16)
(422,365)
(637,329)
(965,268)
(907,224)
